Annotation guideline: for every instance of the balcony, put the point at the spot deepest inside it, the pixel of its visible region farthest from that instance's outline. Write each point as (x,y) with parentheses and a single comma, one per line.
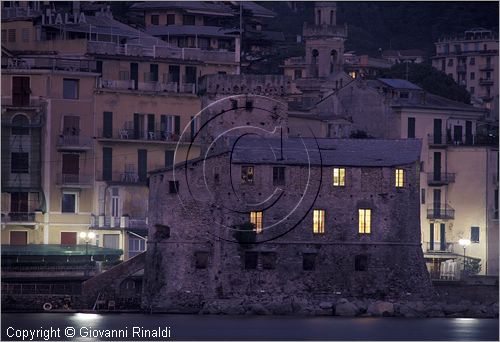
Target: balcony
(122,222)
(160,49)
(462,68)
(438,247)
(440,212)
(19,217)
(485,81)
(438,179)
(74,143)
(486,67)
(159,87)
(310,30)
(128,177)
(74,180)
(445,140)
(49,63)
(129,134)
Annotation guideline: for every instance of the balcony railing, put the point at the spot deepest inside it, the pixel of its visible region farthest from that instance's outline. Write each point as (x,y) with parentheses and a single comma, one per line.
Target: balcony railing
(77,180)
(439,247)
(19,217)
(125,178)
(155,136)
(103,221)
(167,87)
(159,50)
(74,143)
(440,212)
(486,67)
(461,140)
(485,81)
(440,178)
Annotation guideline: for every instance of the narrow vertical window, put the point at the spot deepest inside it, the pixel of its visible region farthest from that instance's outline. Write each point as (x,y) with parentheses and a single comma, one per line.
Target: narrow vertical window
(318,221)
(411,127)
(474,234)
(278,175)
(338,176)
(365,216)
(256,220)
(400,176)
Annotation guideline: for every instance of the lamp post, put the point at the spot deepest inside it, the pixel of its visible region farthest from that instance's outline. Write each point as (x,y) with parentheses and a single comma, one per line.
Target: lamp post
(464,243)
(87,236)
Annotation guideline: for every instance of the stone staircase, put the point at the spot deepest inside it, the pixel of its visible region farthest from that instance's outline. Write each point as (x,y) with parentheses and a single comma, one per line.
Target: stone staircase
(107,284)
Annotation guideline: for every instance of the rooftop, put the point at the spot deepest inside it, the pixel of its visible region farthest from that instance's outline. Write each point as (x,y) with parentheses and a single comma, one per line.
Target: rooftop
(191,30)
(332,152)
(201,7)
(399,84)
(316,152)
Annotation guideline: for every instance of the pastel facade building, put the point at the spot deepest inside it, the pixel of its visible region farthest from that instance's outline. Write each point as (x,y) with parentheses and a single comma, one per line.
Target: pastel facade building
(472,60)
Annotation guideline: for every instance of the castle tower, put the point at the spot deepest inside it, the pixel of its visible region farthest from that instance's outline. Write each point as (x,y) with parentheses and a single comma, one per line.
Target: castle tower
(324,41)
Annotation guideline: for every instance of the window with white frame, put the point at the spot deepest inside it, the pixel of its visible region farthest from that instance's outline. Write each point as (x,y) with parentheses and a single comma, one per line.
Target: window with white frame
(69,202)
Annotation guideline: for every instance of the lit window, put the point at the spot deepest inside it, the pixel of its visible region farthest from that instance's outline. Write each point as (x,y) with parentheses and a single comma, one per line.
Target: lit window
(400,176)
(256,220)
(247,174)
(318,221)
(365,216)
(338,177)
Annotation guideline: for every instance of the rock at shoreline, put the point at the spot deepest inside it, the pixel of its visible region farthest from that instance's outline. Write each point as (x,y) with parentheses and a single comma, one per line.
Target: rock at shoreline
(380,308)
(345,308)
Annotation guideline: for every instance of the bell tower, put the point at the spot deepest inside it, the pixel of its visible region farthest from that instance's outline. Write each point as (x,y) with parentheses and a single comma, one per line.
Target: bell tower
(324,41)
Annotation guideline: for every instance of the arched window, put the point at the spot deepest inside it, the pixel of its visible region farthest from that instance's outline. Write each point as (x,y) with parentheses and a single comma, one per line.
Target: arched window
(20,125)
(333,60)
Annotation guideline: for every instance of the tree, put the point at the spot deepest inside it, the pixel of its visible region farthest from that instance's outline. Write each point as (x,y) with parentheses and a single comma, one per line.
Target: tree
(430,79)
(245,233)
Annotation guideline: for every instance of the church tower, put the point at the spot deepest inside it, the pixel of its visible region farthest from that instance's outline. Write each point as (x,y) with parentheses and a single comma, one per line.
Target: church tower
(324,41)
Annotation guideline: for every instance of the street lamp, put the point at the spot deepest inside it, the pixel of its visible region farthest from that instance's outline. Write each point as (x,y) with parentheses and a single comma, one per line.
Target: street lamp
(87,237)
(464,243)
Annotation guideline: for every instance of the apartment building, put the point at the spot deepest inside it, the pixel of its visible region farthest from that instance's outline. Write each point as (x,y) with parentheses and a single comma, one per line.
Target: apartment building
(459,163)
(115,103)
(472,60)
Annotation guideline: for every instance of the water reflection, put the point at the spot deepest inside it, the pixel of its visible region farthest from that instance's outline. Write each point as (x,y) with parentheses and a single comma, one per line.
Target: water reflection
(198,327)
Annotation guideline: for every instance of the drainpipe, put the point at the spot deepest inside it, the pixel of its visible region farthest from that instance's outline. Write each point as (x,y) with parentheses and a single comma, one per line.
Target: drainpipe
(487,211)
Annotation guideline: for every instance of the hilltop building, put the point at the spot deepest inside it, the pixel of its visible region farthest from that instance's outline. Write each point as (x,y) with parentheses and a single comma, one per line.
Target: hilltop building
(472,60)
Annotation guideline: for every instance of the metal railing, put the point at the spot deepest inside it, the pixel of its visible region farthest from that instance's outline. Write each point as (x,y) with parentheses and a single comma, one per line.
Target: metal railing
(49,63)
(22,289)
(19,217)
(440,212)
(160,51)
(74,179)
(485,81)
(74,142)
(127,177)
(440,178)
(103,221)
(461,140)
(156,136)
(486,67)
